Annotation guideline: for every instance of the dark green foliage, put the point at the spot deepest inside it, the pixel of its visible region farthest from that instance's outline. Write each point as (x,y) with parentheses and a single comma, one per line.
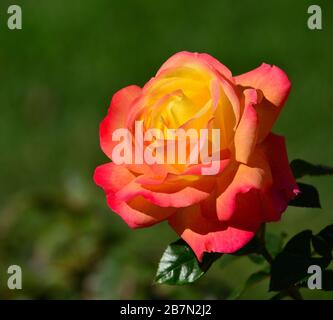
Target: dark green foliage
(291,265)
(308,197)
(179,264)
(302,168)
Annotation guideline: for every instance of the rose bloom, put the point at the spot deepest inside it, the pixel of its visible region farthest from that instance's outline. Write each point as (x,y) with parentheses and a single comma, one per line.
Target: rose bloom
(254,183)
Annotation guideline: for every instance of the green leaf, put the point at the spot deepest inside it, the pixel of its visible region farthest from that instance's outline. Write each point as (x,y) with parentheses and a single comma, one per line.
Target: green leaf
(308,197)
(291,265)
(179,264)
(323,242)
(300,244)
(252,280)
(327,235)
(321,246)
(301,168)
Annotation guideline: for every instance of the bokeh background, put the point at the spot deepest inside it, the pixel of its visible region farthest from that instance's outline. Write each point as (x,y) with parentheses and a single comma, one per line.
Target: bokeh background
(57,76)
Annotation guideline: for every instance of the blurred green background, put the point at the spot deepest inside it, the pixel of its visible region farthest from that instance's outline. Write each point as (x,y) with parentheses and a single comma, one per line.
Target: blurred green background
(57,76)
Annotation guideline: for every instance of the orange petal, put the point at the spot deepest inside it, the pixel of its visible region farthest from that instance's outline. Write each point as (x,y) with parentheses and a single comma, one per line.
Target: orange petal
(247,130)
(204,235)
(121,104)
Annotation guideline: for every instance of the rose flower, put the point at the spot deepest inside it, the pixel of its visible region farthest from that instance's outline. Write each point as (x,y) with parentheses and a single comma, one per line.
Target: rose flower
(251,182)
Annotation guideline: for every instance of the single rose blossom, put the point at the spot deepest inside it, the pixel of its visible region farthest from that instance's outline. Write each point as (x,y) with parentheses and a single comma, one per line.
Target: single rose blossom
(254,183)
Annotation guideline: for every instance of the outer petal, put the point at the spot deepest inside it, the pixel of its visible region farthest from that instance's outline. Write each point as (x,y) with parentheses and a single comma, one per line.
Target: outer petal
(139,206)
(271,80)
(182,198)
(246,134)
(204,235)
(226,108)
(284,186)
(121,104)
(275,86)
(189,59)
(112,178)
(275,150)
(240,203)
(136,212)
